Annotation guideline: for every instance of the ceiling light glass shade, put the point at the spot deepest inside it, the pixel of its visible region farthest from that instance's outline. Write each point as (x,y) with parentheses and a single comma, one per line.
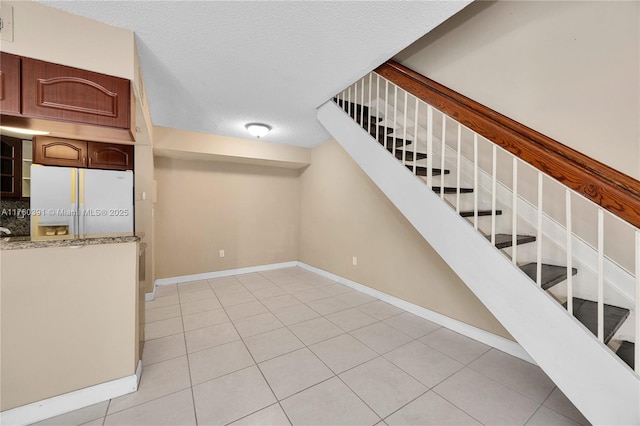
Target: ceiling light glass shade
(23,131)
(258,129)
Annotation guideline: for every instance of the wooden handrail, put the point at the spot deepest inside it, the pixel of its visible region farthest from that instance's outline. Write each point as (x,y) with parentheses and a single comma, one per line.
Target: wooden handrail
(605,186)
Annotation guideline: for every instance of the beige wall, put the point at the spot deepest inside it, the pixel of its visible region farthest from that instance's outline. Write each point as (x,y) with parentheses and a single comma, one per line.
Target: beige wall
(570,70)
(49,34)
(144,207)
(343,214)
(68,319)
(203,207)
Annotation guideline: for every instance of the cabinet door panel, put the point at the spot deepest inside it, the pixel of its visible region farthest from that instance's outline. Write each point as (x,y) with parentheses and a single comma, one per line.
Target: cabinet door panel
(10,167)
(70,94)
(9,84)
(59,152)
(110,156)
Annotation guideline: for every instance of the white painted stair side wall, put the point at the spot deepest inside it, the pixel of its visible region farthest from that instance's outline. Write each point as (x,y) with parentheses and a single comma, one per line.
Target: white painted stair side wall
(600,385)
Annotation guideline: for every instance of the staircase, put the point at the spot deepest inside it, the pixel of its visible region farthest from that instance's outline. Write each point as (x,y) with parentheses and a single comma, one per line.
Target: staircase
(584,310)
(566,336)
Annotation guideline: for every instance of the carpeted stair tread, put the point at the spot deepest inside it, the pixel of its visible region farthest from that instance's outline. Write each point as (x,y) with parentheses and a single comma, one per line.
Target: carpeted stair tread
(586,311)
(408,155)
(470,213)
(506,240)
(352,107)
(391,140)
(382,130)
(368,123)
(452,190)
(422,171)
(625,352)
(551,274)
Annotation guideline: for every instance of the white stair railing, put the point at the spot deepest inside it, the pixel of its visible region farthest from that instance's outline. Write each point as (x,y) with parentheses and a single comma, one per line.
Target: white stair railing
(453,145)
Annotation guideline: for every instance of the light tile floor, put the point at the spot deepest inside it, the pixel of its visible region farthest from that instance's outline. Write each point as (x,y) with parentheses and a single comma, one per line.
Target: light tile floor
(291,347)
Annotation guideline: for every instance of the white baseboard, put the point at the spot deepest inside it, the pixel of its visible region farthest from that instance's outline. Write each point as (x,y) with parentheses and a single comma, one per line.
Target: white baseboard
(67,402)
(493,340)
(216,274)
(138,373)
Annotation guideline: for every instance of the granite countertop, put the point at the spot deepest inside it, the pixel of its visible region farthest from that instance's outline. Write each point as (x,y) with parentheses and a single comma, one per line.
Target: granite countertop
(17,243)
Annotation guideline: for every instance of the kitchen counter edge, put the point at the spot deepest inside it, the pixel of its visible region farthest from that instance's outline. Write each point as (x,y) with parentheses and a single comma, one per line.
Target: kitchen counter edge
(18,243)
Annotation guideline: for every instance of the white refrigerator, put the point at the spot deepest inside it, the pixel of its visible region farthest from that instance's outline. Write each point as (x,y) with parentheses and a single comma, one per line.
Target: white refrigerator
(79,202)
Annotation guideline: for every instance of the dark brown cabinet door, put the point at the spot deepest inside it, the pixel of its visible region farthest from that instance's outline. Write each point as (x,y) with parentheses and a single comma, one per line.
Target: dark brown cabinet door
(70,94)
(9,84)
(51,151)
(110,156)
(10,167)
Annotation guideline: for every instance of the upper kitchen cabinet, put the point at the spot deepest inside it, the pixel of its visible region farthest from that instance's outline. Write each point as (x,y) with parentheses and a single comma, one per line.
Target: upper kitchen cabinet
(9,83)
(52,151)
(58,92)
(110,156)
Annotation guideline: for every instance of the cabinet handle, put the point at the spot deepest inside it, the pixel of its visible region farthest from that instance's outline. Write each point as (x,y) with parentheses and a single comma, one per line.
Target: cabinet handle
(84,159)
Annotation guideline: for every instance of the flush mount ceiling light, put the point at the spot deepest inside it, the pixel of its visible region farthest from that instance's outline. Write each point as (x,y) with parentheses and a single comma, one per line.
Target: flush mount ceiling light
(23,131)
(258,129)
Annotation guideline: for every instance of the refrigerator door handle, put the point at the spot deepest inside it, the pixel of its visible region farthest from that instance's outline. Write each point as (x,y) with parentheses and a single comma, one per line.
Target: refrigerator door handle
(81,213)
(73,220)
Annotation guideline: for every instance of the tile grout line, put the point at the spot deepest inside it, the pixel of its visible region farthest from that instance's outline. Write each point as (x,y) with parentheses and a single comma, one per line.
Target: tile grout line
(504,384)
(305,346)
(336,375)
(380,355)
(104,418)
(259,369)
(316,286)
(533,414)
(558,412)
(186,349)
(459,408)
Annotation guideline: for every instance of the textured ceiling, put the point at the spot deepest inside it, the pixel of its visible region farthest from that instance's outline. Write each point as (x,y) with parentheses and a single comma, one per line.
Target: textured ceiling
(213,66)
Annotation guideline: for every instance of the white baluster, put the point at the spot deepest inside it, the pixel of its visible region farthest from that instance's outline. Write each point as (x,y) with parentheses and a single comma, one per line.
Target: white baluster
(475,181)
(539,236)
(377,101)
(348,106)
(429,145)
(361,103)
(386,113)
(395,118)
(514,217)
(369,104)
(415,138)
(404,129)
(458,160)
(494,180)
(569,252)
(442,151)
(601,275)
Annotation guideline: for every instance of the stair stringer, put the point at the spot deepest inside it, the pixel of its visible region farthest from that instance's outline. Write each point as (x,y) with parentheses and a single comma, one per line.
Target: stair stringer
(598,383)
